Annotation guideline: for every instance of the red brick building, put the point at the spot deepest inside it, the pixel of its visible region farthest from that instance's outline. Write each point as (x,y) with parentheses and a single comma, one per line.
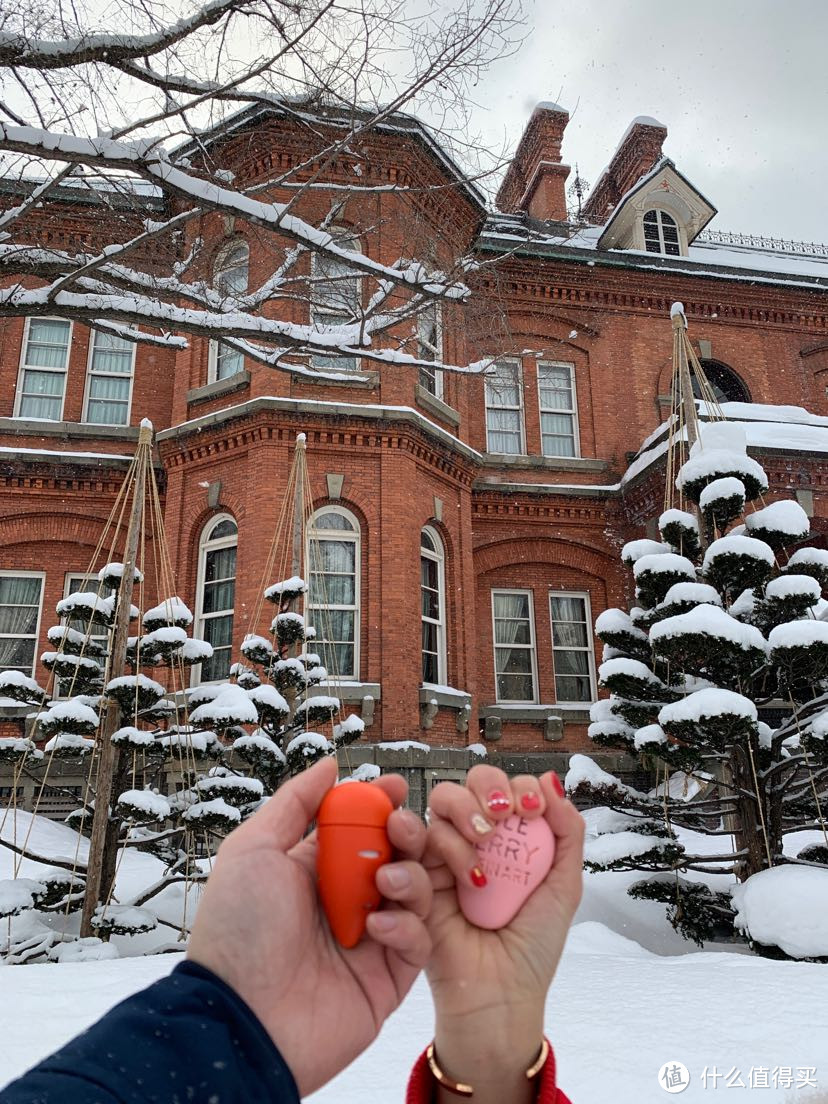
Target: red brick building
(470,527)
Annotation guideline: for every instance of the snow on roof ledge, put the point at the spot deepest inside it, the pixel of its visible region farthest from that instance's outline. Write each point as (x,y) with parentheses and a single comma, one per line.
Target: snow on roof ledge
(549,105)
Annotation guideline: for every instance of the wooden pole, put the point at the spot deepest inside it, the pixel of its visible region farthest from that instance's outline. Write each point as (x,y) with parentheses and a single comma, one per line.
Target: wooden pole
(108,753)
(296,545)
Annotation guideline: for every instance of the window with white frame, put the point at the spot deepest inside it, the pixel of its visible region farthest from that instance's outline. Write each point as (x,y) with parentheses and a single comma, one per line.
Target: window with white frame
(333,566)
(514,646)
(231,275)
(21,596)
(558,410)
(433,605)
(109,379)
(336,298)
(504,408)
(215,599)
(43,367)
(572,646)
(661,234)
(75,584)
(430,347)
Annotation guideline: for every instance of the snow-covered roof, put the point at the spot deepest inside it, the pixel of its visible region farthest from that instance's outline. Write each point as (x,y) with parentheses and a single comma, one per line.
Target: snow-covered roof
(719,255)
(330,115)
(780,428)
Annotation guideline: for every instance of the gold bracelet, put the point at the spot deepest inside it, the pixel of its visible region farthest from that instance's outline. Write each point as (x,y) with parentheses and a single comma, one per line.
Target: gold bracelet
(458,1088)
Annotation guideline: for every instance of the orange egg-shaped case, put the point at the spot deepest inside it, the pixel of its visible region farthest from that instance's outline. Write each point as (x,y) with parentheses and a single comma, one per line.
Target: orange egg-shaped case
(352,844)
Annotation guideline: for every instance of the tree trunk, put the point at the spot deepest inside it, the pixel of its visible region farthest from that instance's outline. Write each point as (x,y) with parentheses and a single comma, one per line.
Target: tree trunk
(756,825)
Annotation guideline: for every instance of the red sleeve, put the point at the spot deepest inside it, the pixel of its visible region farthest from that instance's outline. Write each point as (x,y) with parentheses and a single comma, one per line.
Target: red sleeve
(421,1084)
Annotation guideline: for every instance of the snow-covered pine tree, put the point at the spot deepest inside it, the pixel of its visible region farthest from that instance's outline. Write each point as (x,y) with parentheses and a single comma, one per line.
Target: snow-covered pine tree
(150,749)
(285,681)
(715,636)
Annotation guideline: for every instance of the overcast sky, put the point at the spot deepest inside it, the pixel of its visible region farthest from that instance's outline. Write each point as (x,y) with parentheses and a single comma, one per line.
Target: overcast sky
(741,85)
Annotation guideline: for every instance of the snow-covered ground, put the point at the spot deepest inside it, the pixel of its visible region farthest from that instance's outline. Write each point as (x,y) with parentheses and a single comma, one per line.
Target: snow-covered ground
(630,996)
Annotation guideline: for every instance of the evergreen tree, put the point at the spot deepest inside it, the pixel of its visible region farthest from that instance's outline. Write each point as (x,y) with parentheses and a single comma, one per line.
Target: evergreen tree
(191,764)
(727,627)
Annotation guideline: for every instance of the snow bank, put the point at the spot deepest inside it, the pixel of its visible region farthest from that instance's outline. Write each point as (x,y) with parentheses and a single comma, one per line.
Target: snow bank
(786,907)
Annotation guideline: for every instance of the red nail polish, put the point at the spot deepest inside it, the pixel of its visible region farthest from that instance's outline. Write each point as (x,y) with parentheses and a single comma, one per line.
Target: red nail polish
(556,784)
(530,801)
(498,802)
(478,877)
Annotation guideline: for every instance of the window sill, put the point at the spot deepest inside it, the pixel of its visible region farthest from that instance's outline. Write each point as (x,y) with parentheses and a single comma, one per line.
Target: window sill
(529,713)
(436,406)
(227,386)
(348,691)
(445,696)
(364,381)
(40,427)
(544,463)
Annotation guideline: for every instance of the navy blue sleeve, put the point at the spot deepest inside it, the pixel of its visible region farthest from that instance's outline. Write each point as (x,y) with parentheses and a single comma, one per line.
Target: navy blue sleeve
(187,1039)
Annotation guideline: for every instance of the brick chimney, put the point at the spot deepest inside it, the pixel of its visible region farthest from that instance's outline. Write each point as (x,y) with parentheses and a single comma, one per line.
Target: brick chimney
(535,180)
(638,151)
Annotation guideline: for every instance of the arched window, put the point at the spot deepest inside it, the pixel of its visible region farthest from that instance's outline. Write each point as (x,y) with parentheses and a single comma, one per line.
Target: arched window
(725,384)
(433,605)
(333,565)
(336,297)
(216,595)
(661,233)
(231,274)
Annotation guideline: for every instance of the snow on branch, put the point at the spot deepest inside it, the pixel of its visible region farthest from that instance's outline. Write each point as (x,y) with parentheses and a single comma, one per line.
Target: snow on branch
(19,52)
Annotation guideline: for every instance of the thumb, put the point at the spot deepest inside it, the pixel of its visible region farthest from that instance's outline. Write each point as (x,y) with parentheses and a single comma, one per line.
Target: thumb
(285,817)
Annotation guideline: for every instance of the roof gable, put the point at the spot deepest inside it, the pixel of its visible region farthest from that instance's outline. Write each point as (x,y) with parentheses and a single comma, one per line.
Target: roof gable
(664,188)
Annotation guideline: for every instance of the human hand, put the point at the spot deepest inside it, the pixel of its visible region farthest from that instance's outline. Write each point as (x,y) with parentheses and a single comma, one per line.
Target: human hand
(260,927)
(490,987)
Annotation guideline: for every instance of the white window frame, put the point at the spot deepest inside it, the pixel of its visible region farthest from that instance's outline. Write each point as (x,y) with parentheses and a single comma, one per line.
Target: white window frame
(29,575)
(22,366)
(355,535)
(438,349)
(219,267)
(438,557)
(531,647)
(576,428)
(206,545)
(340,234)
(589,649)
(90,360)
(518,365)
(101,636)
(660,215)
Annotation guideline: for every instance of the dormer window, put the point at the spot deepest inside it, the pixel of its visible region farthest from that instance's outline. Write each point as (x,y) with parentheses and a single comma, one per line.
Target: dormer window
(661,233)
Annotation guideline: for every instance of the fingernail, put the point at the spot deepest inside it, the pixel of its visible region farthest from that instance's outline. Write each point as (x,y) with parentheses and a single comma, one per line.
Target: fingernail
(530,801)
(498,802)
(480,824)
(478,878)
(397,877)
(384,921)
(556,784)
(410,821)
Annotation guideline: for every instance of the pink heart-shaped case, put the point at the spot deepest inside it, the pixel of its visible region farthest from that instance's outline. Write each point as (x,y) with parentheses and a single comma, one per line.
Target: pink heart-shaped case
(515,858)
